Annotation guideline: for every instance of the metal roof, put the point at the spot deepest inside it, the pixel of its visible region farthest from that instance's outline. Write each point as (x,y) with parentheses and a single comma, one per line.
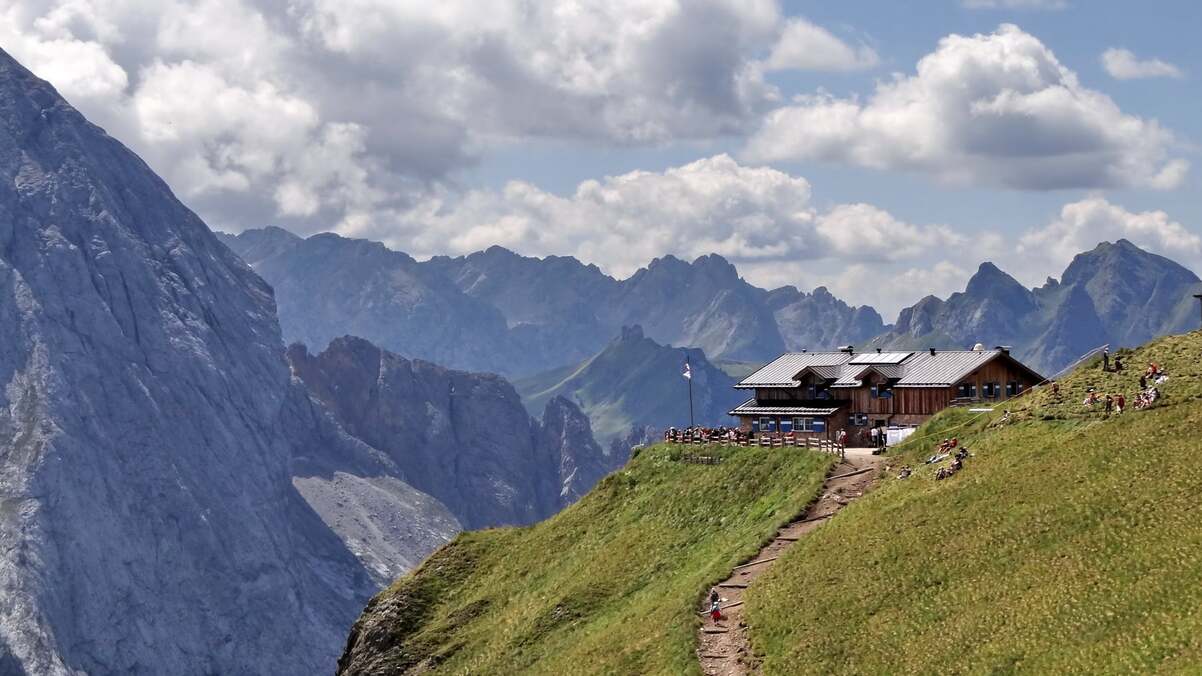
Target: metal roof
(918,369)
(945,367)
(780,372)
(828,372)
(853,373)
(749,407)
(880,358)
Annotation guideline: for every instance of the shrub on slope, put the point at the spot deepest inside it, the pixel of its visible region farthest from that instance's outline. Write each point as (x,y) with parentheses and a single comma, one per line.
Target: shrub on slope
(609,585)
(1070,542)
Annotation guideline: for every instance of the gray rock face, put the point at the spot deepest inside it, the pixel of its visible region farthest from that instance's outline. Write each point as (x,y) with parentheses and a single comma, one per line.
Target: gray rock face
(566,436)
(820,321)
(329,286)
(462,437)
(150,431)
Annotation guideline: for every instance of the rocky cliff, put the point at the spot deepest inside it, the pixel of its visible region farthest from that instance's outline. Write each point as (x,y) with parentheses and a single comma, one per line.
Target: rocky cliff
(462,437)
(820,321)
(150,431)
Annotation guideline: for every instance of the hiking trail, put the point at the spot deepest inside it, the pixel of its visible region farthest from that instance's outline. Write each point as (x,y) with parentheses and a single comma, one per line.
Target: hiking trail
(725,649)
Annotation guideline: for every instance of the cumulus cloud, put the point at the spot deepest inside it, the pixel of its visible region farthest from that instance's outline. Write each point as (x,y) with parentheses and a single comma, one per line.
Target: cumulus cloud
(1122,64)
(807,46)
(996,109)
(1081,225)
(760,218)
(238,103)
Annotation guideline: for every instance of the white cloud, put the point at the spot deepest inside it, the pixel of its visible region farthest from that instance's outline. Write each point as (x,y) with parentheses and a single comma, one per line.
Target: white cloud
(1081,225)
(996,109)
(861,284)
(760,218)
(1015,4)
(1122,64)
(235,102)
(806,46)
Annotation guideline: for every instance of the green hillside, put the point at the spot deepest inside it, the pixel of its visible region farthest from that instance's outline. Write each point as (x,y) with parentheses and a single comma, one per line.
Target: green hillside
(607,586)
(1070,543)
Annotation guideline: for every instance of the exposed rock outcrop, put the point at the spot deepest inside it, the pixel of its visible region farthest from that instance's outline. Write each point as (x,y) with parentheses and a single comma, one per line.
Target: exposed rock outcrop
(150,431)
(462,437)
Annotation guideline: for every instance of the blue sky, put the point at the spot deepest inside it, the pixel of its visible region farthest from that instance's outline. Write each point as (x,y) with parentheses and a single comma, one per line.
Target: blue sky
(902,34)
(796,138)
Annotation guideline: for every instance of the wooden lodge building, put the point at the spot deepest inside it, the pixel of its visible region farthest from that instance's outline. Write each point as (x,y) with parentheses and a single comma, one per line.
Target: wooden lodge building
(819,393)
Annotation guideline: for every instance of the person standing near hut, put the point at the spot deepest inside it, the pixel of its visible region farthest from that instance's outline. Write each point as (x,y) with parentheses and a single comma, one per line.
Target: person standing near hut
(874,434)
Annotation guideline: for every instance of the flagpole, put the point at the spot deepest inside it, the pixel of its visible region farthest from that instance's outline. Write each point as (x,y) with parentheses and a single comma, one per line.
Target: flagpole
(690,379)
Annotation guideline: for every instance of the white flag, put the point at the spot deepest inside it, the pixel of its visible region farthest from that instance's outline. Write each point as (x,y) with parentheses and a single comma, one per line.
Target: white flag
(688,371)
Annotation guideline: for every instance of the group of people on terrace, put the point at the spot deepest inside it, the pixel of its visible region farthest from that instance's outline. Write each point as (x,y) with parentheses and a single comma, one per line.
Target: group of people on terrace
(707,434)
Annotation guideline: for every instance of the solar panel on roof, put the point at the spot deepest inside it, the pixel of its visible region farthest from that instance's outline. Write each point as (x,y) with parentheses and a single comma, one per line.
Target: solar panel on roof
(880,358)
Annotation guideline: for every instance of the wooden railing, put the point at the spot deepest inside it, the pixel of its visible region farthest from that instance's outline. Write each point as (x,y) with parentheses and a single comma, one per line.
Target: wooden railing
(763,440)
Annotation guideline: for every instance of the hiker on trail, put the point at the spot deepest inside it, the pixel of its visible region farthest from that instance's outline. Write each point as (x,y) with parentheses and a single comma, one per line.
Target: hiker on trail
(1055,388)
(1109,404)
(1106,359)
(716,611)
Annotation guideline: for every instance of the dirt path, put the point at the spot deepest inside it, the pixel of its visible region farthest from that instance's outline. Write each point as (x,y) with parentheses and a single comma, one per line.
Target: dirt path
(724,649)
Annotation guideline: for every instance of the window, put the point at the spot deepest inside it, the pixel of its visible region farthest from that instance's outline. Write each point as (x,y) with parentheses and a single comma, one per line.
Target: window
(991,390)
(766,425)
(1014,388)
(803,424)
(966,390)
(859,419)
(880,392)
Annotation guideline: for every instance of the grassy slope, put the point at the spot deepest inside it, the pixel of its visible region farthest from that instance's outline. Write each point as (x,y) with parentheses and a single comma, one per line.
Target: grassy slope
(607,586)
(1070,543)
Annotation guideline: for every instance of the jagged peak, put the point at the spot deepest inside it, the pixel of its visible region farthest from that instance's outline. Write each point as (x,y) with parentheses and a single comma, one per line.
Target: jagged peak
(989,278)
(631,333)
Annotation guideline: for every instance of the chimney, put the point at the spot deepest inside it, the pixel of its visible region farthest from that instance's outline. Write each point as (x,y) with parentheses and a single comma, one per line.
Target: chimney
(1004,349)
(878,350)
(849,349)
(932,351)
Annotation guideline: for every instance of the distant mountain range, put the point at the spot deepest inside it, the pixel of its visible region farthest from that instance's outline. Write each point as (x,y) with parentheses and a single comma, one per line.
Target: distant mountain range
(498,311)
(635,383)
(1116,294)
(495,310)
